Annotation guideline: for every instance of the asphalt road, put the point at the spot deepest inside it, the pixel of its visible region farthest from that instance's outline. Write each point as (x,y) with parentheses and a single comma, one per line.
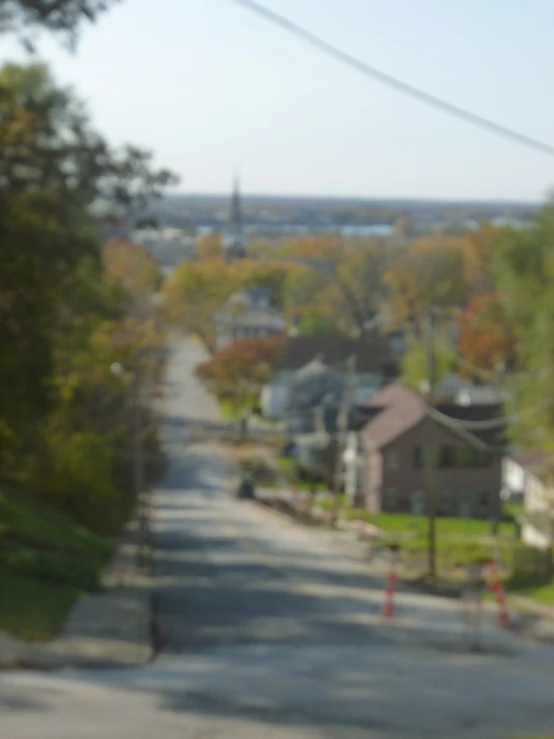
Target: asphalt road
(271,631)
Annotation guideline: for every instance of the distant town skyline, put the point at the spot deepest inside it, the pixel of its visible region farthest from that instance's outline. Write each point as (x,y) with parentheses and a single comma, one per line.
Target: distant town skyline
(210,88)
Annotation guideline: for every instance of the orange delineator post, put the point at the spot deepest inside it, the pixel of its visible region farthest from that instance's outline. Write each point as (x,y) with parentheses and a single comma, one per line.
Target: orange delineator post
(388,605)
(498,590)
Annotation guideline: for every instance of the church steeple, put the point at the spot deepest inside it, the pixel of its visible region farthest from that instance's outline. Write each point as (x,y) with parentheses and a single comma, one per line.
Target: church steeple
(235,242)
(236,210)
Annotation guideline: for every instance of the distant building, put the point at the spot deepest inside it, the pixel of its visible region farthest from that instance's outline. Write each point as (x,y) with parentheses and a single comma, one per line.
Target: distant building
(528,475)
(312,370)
(248,314)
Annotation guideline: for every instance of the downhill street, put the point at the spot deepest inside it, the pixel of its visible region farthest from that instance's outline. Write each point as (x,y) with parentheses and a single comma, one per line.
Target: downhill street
(270,631)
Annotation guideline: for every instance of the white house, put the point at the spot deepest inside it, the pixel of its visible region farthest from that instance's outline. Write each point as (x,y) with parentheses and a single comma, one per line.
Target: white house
(280,392)
(274,395)
(532,472)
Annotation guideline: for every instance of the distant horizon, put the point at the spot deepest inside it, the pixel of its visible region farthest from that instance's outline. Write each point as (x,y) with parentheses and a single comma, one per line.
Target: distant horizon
(360,198)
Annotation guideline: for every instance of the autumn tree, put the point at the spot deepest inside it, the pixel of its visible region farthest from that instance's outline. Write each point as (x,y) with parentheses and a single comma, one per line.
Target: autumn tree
(194,295)
(209,246)
(55,298)
(429,272)
(486,336)
(136,269)
(340,281)
(237,374)
(480,249)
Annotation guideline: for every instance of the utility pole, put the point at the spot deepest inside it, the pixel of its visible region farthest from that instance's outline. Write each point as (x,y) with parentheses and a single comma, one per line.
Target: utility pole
(138,467)
(431,450)
(342,434)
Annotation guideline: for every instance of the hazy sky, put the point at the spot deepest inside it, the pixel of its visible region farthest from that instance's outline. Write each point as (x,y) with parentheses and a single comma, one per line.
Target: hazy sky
(210,87)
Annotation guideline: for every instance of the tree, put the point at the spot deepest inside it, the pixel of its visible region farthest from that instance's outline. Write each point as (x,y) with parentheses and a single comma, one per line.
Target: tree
(53,169)
(136,269)
(414,361)
(343,282)
(237,374)
(59,404)
(524,268)
(481,246)
(486,337)
(194,295)
(25,17)
(429,272)
(209,247)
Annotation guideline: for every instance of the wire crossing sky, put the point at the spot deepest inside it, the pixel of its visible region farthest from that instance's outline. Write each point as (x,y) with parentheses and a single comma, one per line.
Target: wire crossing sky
(386,79)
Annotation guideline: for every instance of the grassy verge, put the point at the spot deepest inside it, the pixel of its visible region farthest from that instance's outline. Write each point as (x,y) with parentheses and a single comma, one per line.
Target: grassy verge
(46,560)
(31,609)
(533,588)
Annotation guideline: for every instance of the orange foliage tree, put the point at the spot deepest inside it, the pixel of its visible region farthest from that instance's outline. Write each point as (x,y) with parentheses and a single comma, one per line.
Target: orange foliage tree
(237,373)
(486,338)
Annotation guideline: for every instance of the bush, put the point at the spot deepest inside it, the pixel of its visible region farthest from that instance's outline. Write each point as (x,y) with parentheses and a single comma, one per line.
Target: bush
(76,479)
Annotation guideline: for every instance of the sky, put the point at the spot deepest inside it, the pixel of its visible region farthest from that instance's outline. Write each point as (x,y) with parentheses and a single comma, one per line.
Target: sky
(212,89)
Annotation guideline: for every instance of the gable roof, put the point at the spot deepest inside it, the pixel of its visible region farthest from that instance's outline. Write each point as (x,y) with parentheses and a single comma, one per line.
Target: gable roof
(373,353)
(403,408)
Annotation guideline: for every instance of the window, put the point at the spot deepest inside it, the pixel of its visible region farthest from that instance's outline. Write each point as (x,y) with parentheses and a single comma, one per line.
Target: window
(391,499)
(464,457)
(484,499)
(417,457)
(392,460)
(418,503)
(469,457)
(447,457)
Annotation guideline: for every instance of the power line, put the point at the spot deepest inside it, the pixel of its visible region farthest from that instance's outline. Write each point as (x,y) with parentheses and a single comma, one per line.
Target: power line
(494,423)
(390,81)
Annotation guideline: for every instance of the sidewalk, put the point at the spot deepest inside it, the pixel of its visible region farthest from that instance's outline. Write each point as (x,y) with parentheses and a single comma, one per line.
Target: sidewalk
(109,629)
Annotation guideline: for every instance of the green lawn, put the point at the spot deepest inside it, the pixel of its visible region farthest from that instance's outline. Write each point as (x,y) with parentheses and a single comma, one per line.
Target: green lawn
(538,591)
(33,610)
(21,517)
(45,561)
(406,524)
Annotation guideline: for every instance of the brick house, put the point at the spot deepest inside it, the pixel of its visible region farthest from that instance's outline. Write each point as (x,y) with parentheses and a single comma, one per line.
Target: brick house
(392,450)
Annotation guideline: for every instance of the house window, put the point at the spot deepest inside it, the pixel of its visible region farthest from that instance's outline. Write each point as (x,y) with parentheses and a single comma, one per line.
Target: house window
(447,457)
(484,499)
(445,502)
(391,499)
(392,460)
(471,458)
(464,457)
(417,457)
(464,510)
(418,503)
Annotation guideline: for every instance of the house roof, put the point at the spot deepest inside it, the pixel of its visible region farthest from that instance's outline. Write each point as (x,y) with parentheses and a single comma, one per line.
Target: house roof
(258,317)
(372,352)
(537,461)
(403,408)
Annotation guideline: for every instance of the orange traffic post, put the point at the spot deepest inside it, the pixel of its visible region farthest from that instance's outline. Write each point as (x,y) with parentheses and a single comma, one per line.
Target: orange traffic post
(498,590)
